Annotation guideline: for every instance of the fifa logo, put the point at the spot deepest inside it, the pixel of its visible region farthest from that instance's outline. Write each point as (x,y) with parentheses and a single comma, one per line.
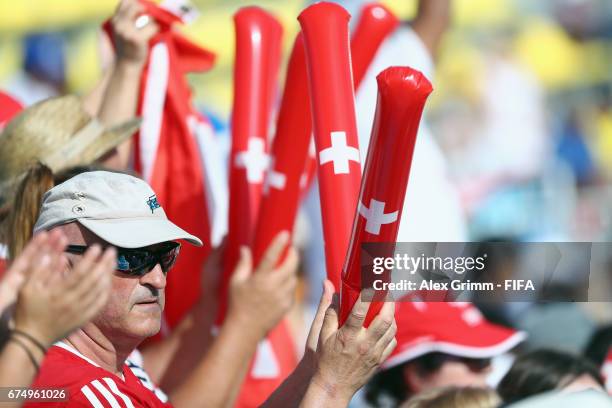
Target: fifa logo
(152,203)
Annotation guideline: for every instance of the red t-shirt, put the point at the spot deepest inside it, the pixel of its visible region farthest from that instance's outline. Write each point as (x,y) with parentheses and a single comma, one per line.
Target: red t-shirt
(89,385)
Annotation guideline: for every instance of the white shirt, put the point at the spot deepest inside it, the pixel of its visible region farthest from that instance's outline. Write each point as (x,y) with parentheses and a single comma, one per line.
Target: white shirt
(431,212)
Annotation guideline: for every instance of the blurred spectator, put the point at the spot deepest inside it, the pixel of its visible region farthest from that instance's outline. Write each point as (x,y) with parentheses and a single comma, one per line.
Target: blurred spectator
(425,216)
(59,133)
(455,398)
(439,345)
(572,148)
(599,345)
(44,69)
(547,370)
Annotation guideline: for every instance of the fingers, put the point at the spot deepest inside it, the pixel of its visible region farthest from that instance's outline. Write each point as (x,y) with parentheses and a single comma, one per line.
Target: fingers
(388,350)
(22,262)
(288,268)
(41,265)
(84,266)
(97,276)
(382,322)
(244,266)
(326,300)
(273,253)
(330,320)
(354,322)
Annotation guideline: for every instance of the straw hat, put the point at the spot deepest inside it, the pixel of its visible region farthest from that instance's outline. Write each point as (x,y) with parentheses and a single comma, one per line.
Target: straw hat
(59,133)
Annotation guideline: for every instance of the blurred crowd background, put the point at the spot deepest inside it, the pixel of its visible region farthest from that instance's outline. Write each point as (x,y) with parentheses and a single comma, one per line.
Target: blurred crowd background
(522,109)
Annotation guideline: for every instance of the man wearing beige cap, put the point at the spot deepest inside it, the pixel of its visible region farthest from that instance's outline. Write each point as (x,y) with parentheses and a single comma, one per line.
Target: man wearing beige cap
(114,209)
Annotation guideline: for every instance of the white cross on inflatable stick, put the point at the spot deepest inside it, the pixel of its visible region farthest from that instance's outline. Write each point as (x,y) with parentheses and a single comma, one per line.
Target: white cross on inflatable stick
(339,153)
(255,160)
(274,179)
(376,216)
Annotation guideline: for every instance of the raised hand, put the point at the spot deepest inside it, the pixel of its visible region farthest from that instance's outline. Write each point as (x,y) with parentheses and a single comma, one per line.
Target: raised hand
(262,298)
(132,30)
(56,299)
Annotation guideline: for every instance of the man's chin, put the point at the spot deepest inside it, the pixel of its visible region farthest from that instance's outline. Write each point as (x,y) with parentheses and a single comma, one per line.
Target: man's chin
(146,321)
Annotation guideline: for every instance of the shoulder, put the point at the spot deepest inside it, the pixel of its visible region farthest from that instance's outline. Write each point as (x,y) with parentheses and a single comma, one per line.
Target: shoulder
(88,385)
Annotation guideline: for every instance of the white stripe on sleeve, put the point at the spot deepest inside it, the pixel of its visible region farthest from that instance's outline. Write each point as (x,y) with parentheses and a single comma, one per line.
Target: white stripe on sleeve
(95,402)
(106,394)
(111,384)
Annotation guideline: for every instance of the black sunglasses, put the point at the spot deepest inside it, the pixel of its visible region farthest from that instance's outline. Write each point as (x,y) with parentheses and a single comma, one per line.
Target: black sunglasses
(139,261)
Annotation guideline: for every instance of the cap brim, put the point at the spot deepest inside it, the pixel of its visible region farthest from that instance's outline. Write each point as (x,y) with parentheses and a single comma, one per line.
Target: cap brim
(139,232)
(488,342)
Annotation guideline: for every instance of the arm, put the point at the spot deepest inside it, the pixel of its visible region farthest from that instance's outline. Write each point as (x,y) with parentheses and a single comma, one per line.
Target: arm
(117,92)
(170,360)
(432,20)
(344,359)
(257,303)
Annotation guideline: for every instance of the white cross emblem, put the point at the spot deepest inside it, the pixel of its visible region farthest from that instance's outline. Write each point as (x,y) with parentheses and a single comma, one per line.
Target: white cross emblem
(339,153)
(274,179)
(376,216)
(255,160)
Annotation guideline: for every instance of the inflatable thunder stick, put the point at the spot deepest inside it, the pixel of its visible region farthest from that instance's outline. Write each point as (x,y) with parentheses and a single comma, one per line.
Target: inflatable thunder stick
(375,24)
(402,93)
(258,50)
(282,190)
(326,38)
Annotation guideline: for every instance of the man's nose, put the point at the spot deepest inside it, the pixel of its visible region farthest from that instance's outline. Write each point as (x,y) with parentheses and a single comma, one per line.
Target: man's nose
(155,277)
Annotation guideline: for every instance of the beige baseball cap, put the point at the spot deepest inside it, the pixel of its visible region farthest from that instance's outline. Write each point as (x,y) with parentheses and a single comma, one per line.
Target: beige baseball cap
(119,208)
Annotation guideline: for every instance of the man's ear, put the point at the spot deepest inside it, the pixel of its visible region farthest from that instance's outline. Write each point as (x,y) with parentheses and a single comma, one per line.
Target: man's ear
(414,381)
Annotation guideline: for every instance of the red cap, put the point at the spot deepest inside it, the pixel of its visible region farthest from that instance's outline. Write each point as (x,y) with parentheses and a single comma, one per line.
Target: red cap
(9,107)
(455,328)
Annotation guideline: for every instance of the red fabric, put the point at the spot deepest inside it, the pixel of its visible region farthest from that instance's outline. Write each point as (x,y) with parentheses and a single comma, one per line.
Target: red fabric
(174,169)
(375,24)
(325,30)
(456,328)
(402,93)
(258,50)
(88,384)
(9,107)
(289,151)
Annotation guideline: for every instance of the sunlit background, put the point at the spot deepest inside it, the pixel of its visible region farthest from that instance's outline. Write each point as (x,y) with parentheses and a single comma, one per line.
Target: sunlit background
(521,108)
